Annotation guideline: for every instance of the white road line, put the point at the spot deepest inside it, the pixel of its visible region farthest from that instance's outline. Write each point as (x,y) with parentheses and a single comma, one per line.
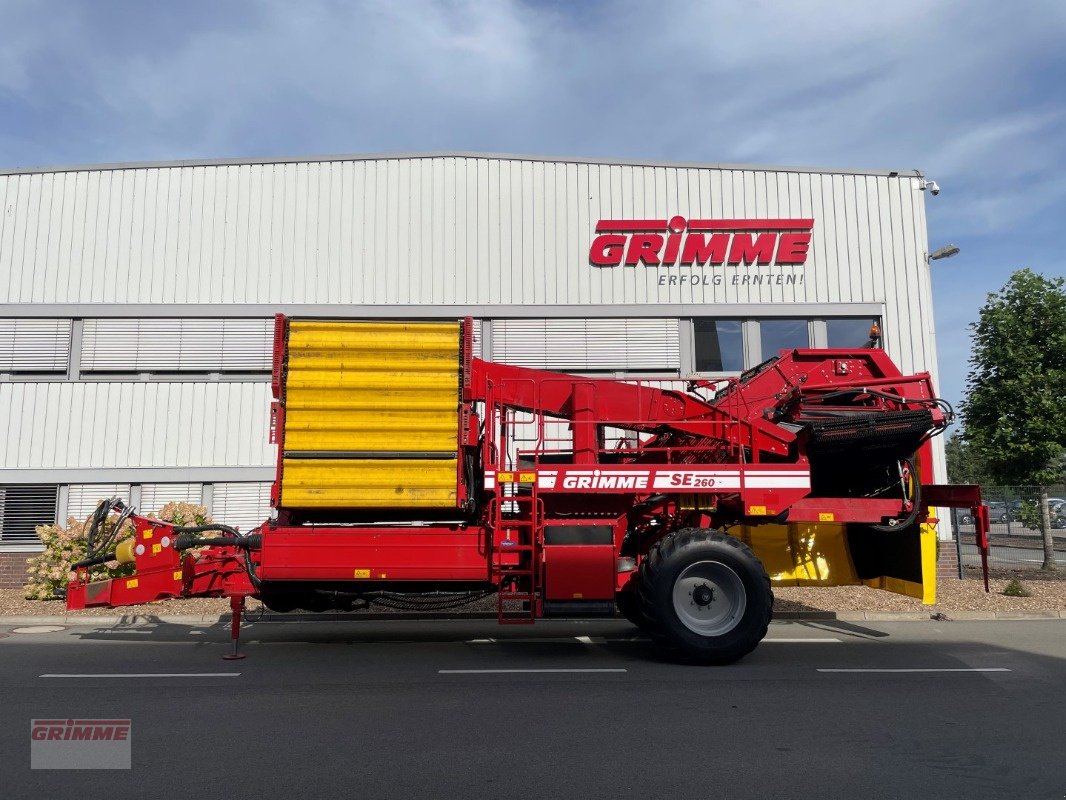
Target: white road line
(141,675)
(504,671)
(803,641)
(584,639)
(954,669)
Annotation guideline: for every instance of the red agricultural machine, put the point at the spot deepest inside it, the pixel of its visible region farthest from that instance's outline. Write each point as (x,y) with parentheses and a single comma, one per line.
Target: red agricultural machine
(414,476)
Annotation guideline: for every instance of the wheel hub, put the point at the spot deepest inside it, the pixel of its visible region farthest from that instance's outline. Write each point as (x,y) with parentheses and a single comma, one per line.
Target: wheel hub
(709,598)
(702,595)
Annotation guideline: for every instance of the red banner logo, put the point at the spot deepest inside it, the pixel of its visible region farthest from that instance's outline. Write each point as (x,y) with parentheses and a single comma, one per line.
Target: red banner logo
(700,242)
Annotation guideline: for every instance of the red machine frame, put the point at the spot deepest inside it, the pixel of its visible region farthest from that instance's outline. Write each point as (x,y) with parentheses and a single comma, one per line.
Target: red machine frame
(720,453)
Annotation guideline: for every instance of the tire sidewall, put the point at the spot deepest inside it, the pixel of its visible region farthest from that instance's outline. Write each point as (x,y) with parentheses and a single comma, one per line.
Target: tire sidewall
(693,546)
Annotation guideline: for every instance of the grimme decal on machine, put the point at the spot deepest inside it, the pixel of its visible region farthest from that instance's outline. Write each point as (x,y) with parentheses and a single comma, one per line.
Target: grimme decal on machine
(752,476)
(704,243)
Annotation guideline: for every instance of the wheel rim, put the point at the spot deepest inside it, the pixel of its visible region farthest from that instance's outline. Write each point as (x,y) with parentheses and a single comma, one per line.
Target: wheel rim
(709,598)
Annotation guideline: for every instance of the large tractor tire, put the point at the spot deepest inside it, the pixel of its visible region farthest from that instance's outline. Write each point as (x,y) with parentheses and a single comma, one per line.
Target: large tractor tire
(705,594)
(629,606)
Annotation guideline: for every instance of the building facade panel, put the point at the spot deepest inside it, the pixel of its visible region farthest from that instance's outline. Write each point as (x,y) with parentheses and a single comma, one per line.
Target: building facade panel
(136,300)
(447,230)
(77,425)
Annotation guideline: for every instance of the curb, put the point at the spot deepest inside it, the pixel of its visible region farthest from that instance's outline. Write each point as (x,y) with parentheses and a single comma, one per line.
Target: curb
(199,620)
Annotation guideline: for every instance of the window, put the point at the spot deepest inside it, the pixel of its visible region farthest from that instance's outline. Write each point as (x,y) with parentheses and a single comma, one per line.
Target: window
(719,345)
(588,345)
(241,505)
(177,345)
(34,346)
(156,495)
(848,331)
(783,334)
(82,499)
(23,508)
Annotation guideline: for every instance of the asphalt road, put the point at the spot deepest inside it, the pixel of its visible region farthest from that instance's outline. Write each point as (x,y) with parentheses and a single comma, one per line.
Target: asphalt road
(560,710)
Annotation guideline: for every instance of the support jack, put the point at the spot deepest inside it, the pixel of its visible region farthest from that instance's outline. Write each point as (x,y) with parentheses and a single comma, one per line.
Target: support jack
(236,605)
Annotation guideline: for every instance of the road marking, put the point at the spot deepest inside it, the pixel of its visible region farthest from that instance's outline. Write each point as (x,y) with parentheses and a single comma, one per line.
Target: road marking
(829,640)
(141,675)
(499,671)
(924,669)
(584,639)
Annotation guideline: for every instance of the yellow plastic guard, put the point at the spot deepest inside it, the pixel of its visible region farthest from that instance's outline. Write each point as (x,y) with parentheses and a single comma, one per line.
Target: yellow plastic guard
(359,391)
(803,554)
(363,483)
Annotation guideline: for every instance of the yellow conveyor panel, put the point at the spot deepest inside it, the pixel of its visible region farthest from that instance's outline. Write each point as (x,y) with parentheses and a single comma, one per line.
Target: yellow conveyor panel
(357,389)
(369,483)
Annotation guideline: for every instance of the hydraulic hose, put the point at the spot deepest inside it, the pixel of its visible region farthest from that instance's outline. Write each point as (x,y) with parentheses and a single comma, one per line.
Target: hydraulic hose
(94,561)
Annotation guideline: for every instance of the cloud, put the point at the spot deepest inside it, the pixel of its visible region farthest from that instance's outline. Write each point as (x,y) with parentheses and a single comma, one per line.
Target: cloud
(967,91)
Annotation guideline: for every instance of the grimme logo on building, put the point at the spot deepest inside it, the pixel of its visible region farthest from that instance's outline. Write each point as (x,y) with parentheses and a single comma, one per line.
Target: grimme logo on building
(80,744)
(700,242)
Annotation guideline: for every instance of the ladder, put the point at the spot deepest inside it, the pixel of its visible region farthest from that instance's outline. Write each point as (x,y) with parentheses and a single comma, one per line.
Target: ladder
(516,557)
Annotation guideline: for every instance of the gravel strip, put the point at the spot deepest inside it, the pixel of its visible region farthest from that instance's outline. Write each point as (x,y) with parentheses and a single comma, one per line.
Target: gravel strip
(1048,594)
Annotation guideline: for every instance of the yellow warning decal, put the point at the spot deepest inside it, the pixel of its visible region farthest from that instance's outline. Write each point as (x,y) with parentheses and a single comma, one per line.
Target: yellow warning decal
(527,477)
(147,535)
(827,516)
(177,574)
(362,573)
(757,511)
(131,583)
(157,548)
(505,477)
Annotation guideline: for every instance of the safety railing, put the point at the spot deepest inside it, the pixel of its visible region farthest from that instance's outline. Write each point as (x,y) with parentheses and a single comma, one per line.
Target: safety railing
(531,436)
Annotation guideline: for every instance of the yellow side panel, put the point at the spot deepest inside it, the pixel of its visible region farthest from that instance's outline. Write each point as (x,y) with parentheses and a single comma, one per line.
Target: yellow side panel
(818,555)
(926,590)
(370,431)
(356,389)
(801,554)
(367,483)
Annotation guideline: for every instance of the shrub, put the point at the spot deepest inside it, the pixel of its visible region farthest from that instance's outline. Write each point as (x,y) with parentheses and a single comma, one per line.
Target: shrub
(64,545)
(1015,589)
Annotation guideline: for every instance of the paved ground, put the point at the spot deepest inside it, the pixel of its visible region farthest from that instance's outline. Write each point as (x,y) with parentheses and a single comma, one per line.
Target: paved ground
(563,709)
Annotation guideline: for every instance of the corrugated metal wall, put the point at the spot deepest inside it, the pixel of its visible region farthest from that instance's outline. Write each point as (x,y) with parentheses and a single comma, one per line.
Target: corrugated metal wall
(72,425)
(434,231)
(438,230)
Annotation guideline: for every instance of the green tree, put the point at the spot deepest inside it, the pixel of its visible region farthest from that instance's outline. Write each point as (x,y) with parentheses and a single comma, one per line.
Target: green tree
(1015,410)
(965,465)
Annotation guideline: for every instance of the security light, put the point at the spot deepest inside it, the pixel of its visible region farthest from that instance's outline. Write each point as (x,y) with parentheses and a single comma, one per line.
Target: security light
(947,251)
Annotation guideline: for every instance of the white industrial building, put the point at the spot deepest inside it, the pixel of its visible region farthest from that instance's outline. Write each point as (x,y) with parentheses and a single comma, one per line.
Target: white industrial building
(136,300)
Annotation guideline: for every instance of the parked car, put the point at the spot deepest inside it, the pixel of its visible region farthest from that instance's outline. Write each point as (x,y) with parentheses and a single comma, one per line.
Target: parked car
(998,512)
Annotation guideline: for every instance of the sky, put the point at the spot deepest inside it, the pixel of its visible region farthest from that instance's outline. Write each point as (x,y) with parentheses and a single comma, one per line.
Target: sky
(973,93)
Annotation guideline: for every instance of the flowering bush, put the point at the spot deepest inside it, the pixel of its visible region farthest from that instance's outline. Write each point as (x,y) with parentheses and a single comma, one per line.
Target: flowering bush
(65,545)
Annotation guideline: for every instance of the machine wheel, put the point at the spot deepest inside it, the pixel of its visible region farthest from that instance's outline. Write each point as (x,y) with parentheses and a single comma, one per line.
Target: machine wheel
(629,606)
(706,594)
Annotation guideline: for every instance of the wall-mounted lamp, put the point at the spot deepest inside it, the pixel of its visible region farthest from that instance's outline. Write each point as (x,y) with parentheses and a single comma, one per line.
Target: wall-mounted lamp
(947,251)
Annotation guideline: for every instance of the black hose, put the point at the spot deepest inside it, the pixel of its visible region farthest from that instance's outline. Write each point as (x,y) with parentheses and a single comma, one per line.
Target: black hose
(907,521)
(94,561)
(212,526)
(186,538)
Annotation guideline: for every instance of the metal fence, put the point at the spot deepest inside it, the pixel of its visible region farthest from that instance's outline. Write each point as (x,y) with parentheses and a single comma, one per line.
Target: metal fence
(1016,537)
